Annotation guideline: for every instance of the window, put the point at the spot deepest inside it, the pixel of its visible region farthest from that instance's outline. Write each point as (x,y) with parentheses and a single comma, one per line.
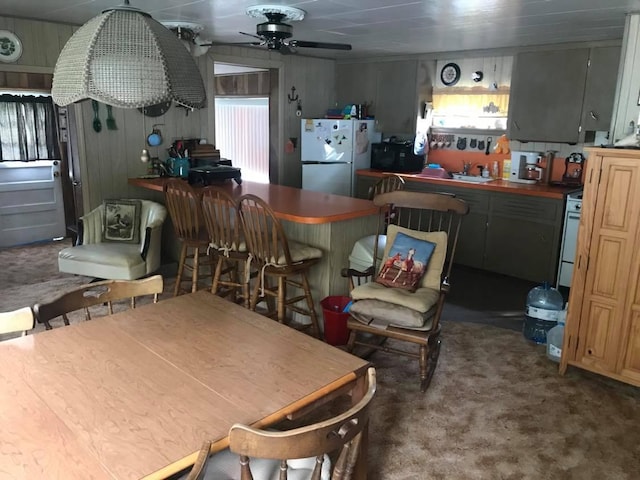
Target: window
(242,135)
(27,128)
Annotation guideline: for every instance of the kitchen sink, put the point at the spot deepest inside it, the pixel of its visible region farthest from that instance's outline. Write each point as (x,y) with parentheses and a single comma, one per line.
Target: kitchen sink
(471,178)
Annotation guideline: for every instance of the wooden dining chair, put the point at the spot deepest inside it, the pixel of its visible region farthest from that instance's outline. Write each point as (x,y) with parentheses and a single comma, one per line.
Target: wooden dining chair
(388,183)
(185,210)
(274,256)
(94,294)
(16,321)
(300,453)
(222,220)
(406,299)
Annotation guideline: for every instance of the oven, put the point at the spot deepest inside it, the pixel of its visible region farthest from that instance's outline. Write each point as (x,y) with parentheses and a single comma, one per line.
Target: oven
(569,238)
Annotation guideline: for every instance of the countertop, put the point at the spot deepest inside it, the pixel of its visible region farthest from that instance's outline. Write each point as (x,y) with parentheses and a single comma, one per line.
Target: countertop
(292,204)
(499,185)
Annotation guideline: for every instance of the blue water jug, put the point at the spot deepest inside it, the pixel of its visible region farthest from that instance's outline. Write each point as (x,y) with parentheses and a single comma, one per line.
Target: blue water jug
(544,304)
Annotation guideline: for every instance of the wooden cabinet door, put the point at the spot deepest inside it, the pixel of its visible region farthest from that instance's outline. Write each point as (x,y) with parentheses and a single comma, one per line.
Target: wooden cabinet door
(547,90)
(523,237)
(600,88)
(396,104)
(610,305)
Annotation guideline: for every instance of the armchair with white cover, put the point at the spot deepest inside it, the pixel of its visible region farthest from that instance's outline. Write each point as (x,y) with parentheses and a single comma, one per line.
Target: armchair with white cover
(101,253)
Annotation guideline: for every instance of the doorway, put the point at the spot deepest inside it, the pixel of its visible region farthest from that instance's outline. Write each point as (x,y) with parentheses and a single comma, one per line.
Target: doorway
(246,118)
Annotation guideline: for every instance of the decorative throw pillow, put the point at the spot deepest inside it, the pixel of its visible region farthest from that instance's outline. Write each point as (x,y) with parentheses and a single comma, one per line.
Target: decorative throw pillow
(405,262)
(121,221)
(433,277)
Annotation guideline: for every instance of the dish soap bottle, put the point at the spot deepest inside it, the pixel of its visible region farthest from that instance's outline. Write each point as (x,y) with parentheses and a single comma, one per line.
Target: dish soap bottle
(485,171)
(495,170)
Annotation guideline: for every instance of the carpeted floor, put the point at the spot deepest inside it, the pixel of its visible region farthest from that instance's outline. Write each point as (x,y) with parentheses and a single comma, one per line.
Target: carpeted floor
(496,409)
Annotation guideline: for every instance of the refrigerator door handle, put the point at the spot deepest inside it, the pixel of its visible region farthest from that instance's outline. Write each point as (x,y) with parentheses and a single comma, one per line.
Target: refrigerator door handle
(313,162)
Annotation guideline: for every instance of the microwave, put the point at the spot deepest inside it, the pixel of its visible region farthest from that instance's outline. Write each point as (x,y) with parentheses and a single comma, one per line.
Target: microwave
(395,157)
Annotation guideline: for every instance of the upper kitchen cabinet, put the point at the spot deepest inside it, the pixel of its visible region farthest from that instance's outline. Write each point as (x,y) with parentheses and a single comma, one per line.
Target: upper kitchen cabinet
(557,95)
(547,89)
(600,90)
(388,87)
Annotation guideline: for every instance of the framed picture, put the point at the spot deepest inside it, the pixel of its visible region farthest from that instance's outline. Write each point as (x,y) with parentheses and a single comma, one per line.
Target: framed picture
(122,221)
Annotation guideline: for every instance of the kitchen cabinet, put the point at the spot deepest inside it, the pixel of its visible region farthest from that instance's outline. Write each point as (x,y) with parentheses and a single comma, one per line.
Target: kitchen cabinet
(511,234)
(547,88)
(557,95)
(390,88)
(602,332)
(600,88)
(523,236)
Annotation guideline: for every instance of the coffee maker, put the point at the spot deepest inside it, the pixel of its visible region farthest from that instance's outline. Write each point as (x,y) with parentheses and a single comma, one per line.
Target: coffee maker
(525,167)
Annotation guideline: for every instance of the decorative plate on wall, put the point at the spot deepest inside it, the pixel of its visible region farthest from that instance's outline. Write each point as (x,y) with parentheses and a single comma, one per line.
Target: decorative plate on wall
(10,47)
(450,74)
(156,110)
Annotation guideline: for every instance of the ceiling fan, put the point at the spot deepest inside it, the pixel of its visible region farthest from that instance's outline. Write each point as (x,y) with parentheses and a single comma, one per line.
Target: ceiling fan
(275,34)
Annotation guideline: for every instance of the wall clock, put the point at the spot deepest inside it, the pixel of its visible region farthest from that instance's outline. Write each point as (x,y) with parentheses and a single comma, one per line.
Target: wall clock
(450,74)
(10,47)
(156,110)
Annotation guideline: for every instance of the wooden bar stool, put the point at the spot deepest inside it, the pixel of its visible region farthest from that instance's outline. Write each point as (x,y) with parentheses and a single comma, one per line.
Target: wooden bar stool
(229,249)
(185,211)
(275,256)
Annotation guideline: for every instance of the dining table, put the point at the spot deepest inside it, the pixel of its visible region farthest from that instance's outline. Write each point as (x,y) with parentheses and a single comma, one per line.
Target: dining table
(134,395)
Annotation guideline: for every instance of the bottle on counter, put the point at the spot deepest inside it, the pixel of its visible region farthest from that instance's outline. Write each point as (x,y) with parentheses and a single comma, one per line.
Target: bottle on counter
(495,170)
(506,168)
(485,171)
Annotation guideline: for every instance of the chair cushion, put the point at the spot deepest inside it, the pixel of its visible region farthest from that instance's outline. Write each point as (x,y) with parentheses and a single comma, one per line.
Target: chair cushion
(299,252)
(225,465)
(421,300)
(121,221)
(406,262)
(433,275)
(111,260)
(377,313)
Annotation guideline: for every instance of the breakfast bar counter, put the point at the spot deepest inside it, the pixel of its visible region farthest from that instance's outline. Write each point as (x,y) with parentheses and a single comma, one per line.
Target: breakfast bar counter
(289,203)
(332,223)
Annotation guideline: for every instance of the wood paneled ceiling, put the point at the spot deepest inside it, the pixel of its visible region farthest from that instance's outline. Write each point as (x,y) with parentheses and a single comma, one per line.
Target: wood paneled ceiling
(378,27)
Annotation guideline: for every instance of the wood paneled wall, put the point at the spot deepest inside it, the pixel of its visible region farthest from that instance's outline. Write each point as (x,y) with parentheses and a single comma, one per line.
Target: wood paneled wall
(41,43)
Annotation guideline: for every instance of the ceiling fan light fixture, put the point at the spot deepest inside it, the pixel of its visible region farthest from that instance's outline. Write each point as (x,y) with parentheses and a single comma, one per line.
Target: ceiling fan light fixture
(289,14)
(125,58)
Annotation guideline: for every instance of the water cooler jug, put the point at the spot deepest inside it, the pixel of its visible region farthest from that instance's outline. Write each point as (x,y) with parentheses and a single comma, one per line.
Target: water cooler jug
(544,304)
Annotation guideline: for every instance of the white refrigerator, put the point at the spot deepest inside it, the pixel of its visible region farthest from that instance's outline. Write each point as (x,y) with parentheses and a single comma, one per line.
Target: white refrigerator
(332,150)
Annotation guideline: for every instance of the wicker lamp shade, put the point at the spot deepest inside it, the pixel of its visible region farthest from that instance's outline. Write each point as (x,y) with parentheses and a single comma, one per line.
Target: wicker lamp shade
(125,58)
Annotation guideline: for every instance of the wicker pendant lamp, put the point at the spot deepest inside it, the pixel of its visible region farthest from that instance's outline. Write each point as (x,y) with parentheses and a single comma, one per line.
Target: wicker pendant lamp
(125,58)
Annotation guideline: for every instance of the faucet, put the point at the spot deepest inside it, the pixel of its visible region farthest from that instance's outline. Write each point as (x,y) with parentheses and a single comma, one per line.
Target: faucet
(466,166)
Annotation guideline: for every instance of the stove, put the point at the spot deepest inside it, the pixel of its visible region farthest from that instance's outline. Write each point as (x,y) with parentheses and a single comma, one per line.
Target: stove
(569,238)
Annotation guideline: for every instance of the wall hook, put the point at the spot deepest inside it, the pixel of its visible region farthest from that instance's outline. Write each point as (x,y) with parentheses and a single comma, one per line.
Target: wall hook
(292,97)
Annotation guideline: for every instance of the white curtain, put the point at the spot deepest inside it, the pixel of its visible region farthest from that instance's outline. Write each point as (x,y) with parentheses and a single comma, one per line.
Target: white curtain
(242,135)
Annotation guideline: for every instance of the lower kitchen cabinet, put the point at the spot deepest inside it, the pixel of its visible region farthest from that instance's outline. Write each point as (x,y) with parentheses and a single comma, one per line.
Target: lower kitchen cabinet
(602,332)
(523,236)
(511,234)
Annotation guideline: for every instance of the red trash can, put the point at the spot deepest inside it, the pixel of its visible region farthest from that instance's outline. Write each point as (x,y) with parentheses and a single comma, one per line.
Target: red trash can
(335,319)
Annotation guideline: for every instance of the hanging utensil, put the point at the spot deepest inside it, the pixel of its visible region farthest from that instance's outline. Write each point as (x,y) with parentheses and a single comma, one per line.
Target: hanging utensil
(111,122)
(97,124)
(489,139)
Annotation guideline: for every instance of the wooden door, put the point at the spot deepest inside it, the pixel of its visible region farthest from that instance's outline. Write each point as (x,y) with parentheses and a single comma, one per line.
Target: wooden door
(605,318)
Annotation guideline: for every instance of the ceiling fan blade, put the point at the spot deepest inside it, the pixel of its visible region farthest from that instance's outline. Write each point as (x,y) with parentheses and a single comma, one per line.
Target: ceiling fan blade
(251,35)
(239,44)
(333,46)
